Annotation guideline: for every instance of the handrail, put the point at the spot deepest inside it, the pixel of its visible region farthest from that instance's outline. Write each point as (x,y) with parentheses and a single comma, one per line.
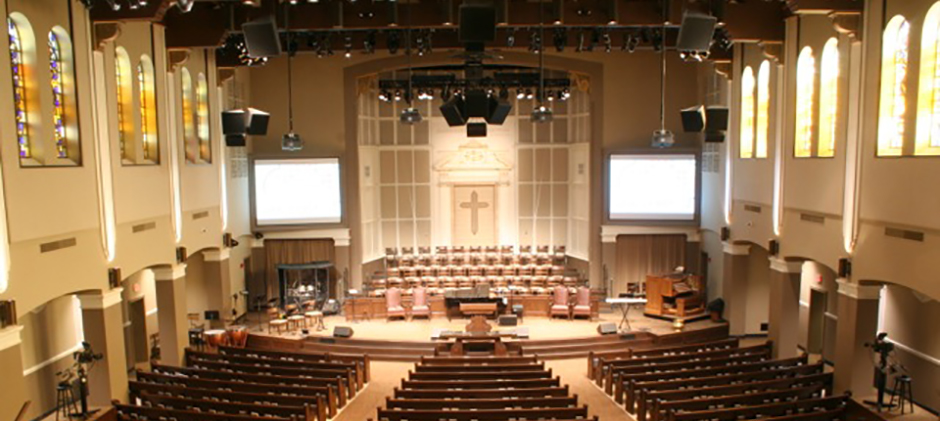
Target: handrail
(22,414)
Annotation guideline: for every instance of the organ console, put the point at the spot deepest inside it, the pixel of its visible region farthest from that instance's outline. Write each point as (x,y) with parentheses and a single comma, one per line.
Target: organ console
(675,296)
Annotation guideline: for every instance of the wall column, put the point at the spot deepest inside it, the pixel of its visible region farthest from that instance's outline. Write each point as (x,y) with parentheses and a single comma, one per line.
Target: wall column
(342,256)
(858,324)
(11,371)
(734,285)
(171,316)
(103,325)
(784,306)
(219,285)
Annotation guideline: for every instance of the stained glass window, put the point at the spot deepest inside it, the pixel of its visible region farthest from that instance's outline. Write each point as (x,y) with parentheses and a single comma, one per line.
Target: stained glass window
(58,96)
(763,110)
(125,104)
(893,108)
(19,89)
(202,114)
(148,110)
(928,97)
(189,124)
(747,113)
(828,98)
(805,93)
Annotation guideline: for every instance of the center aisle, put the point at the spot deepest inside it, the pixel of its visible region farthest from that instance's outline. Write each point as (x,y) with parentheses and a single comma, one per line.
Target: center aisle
(387,375)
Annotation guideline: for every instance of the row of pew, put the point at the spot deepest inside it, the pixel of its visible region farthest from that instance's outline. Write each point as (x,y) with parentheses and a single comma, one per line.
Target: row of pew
(246,384)
(481,389)
(716,381)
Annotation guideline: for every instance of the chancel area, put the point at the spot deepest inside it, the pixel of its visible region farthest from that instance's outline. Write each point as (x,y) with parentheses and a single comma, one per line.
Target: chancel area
(470,210)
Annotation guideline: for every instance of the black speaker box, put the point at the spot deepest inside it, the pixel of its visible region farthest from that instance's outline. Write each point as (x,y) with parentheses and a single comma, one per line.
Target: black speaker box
(453,112)
(498,111)
(342,332)
(257,122)
(476,130)
(234,122)
(477,23)
(714,137)
(696,32)
(607,328)
(845,268)
(114,277)
(508,320)
(261,38)
(716,119)
(181,255)
(693,119)
(235,140)
(477,103)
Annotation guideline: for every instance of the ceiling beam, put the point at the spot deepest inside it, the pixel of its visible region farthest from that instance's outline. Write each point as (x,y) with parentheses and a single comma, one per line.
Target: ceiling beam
(798,7)
(154,11)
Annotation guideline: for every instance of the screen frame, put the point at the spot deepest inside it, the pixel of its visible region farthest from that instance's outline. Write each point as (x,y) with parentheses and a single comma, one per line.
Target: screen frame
(295,227)
(605,181)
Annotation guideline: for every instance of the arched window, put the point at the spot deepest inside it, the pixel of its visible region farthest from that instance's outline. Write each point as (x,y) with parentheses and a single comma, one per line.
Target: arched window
(805,96)
(189,123)
(148,110)
(125,104)
(202,123)
(747,113)
(828,98)
(893,107)
(928,97)
(62,82)
(22,58)
(763,110)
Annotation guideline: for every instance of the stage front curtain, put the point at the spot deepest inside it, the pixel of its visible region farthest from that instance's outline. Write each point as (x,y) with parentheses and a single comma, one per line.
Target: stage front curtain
(293,252)
(641,255)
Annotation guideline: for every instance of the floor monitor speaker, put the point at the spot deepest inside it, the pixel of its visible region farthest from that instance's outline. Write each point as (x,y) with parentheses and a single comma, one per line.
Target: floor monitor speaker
(342,332)
(508,320)
(607,328)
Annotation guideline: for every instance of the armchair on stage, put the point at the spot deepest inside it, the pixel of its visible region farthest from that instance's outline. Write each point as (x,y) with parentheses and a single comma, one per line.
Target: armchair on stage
(393,304)
(420,306)
(583,306)
(675,296)
(560,302)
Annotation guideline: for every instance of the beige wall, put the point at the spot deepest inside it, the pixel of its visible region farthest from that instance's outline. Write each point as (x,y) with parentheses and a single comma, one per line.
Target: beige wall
(757,303)
(816,276)
(908,317)
(50,334)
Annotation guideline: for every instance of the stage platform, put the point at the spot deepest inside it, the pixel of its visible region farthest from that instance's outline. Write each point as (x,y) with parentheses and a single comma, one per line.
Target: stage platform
(408,340)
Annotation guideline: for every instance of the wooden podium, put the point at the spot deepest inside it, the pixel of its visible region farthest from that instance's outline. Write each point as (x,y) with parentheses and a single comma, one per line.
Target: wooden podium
(478,313)
(675,296)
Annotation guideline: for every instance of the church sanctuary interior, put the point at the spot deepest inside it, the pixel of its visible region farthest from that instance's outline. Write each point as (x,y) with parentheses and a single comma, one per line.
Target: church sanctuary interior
(470,210)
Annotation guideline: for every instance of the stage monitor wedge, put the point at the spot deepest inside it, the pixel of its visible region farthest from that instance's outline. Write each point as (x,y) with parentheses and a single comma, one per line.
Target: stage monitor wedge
(261,38)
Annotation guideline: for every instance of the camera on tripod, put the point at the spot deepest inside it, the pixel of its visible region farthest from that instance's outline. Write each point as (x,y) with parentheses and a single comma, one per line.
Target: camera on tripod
(85,355)
(881,345)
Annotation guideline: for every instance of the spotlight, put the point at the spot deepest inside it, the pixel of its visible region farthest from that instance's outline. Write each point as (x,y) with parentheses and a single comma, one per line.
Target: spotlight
(535,45)
(541,114)
(630,42)
(503,93)
(595,38)
(368,46)
(529,94)
(347,43)
(511,38)
(393,41)
(445,94)
(607,44)
(410,115)
(520,94)
(397,96)
(384,96)
(657,40)
(560,39)
(550,96)
(565,94)
(184,5)
(580,47)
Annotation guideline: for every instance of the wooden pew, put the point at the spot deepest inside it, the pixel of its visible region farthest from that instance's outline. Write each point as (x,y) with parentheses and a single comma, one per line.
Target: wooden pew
(338,382)
(659,398)
(329,393)
(481,375)
(644,388)
(267,362)
(611,366)
(235,408)
(279,371)
(126,413)
(616,373)
(602,358)
(420,368)
(317,405)
(479,384)
(451,361)
(454,404)
(534,392)
(738,400)
(484,414)
(628,382)
(828,415)
(761,411)
(361,361)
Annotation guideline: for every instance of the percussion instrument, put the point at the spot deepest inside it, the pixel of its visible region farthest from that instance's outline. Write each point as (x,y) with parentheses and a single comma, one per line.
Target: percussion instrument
(215,337)
(237,336)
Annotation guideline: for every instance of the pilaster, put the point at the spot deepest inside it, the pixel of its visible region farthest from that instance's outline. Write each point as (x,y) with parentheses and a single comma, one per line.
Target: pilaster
(784,306)
(171,300)
(858,324)
(103,325)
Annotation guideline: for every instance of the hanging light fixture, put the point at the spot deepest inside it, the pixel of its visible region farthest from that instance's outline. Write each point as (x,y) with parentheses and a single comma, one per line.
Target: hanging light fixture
(410,115)
(291,141)
(541,113)
(663,138)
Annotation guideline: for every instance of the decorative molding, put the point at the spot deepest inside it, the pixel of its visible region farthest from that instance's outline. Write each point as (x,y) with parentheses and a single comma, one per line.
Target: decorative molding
(10,337)
(724,69)
(848,23)
(106,32)
(609,233)
(257,243)
(917,353)
(169,273)
(786,266)
(858,292)
(100,301)
(216,255)
(177,57)
(736,249)
(46,363)
(340,236)
(773,50)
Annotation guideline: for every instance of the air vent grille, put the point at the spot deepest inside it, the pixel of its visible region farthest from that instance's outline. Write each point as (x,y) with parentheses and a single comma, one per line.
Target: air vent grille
(143,227)
(904,234)
(752,208)
(816,219)
(57,245)
(200,215)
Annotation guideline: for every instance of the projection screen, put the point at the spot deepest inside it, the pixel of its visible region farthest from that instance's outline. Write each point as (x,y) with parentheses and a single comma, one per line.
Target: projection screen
(652,187)
(297,191)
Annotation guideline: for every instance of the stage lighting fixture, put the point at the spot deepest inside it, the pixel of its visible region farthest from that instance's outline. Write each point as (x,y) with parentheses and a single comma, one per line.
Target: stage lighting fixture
(565,94)
(657,40)
(115,6)
(560,39)
(384,96)
(529,94)
(520,94)
(607,43)
(580,47)
(541,114)
(347,43)
(511,38)
(595,38)
(397,96)
(663,139)
(393,41)
(535,43)
(368,45)
(184,5)
(445,94)
(630,42)
(410,115)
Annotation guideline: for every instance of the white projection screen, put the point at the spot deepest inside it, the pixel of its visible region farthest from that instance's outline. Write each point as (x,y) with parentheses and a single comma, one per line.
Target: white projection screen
(297,191)
(652,187)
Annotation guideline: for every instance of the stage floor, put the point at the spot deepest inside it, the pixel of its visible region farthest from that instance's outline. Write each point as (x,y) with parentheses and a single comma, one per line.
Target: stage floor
(420,329)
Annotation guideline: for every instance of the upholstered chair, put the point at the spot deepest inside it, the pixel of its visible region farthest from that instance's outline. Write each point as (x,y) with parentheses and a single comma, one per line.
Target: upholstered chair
(582,306)
(393,304)
(560,303)
(420,307)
